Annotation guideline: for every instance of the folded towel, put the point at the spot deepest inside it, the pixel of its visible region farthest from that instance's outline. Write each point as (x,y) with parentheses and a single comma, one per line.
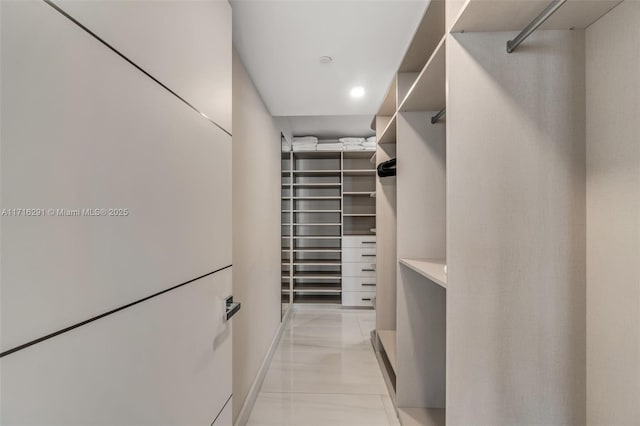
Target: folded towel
(369,148)
(304,148)
(351,140)
(330,147)
(305,139)
(354,148)
(372,139)
(353,143)
(372,143)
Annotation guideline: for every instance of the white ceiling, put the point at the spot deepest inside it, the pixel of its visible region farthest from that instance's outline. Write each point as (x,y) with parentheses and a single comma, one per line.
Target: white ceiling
(280,43)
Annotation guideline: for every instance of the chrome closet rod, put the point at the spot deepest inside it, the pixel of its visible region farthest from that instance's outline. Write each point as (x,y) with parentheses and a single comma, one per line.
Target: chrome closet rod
(533,25)
(439,115)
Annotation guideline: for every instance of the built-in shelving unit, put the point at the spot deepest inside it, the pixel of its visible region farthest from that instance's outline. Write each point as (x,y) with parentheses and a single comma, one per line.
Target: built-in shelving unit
(325,196)
(411,208)
(486,94)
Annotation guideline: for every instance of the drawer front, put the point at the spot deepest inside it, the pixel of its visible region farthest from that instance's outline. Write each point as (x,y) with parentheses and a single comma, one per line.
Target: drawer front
(359,269)
(358,298)
(358,284)
(358,241)
(359,254)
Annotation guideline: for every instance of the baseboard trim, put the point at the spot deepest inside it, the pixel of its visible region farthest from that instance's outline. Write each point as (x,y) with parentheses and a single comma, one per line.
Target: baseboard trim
(250,400)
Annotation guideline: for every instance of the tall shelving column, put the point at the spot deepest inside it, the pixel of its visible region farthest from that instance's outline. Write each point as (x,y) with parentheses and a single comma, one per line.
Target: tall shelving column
(358,229)
(316,227)
(412,299)
(287,230)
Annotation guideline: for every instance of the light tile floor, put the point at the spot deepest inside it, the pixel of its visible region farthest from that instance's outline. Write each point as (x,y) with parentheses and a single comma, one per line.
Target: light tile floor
(325,373)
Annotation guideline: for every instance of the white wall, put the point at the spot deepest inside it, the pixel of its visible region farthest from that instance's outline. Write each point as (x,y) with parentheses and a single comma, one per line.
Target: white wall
(613,217)
(256,230)
(83,128)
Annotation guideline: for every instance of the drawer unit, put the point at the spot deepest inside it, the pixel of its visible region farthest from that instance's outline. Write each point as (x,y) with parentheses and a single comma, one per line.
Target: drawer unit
(358,298)
(358,241)
(357,254)
(359,269)
(358,284)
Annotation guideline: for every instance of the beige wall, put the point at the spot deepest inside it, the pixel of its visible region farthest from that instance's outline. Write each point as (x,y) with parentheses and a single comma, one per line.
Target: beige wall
(613,217)
(516,230)
(256,231)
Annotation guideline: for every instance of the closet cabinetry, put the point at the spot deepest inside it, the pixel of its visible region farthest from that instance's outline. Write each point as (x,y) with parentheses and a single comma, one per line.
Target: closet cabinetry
(328,228)
(481,234)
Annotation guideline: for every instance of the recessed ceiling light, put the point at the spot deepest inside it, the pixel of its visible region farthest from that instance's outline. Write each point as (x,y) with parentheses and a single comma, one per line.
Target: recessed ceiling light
(357,92)
(326,59)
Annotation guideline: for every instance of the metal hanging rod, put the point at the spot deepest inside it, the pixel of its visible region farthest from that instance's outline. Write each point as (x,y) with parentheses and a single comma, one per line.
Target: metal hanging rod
(539,20)
(439,115)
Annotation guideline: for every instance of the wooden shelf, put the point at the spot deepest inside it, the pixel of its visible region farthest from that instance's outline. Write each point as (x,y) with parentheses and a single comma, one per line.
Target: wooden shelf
(388,106)
(359,215)
(372,160)
(317,290)
(367,193)
(427,36)
(315,172)
(317,198)
(388,135)
(316,237)
(429,268)
(388,340)
(358,172)
(319,249)
(507,15)
(317,224)
(316,211)
(317,263)
(428,91)
(422,416)
(316,185)
(318,276)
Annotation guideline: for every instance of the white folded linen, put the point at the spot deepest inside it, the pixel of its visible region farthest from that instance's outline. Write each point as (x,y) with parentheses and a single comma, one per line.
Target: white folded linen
(304,148)
(369,143)
(354,147)
(372,139)
(369,148)
(286,148)
(351,140)
(330,147)
(305,140)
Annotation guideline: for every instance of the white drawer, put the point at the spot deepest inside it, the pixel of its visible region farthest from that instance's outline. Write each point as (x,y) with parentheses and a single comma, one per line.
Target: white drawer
(358,284)
(357,254)
(359,269)
(358,298)
(358,241)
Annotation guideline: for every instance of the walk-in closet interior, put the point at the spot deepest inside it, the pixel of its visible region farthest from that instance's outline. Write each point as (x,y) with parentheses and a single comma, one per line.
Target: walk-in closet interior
(320,213)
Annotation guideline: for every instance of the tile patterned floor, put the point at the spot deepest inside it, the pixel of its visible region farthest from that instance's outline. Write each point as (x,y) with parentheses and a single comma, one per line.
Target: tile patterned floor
(325,373)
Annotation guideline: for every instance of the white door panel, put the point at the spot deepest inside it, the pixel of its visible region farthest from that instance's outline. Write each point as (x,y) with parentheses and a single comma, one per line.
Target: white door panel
(166,361)
(82,128)
(186,44)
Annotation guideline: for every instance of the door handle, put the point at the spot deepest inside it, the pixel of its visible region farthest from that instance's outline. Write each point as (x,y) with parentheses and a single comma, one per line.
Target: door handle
(366,299)
(368,255)
(368,242)
(231,308)
(367,270)
(368,285)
